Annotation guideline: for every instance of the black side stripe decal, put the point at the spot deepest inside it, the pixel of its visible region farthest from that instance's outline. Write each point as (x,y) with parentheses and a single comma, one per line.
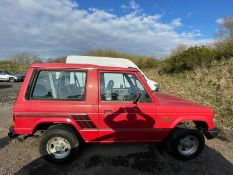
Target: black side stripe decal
(84,121)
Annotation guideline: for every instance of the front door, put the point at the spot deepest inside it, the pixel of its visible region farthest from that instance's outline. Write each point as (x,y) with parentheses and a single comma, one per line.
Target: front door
(119,118)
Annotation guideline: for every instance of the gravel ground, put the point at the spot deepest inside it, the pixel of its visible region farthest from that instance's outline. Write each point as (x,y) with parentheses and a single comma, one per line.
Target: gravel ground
(23,158)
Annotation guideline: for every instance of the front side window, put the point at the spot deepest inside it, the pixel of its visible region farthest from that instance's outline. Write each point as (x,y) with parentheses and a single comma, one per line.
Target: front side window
(60,85)
(121,87)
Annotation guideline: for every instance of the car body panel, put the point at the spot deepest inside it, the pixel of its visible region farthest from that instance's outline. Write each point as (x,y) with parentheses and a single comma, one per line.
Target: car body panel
(173,110)
(125,121)
(107,122)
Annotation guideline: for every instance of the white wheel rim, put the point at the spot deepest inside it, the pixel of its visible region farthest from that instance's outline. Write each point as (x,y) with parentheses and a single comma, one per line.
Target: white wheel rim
(58,147)
(188,145)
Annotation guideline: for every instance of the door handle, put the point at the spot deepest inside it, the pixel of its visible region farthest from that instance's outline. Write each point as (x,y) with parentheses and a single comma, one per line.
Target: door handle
(107,112)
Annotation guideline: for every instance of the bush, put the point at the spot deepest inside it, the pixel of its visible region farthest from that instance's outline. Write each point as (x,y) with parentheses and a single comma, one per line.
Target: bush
(57,60)
(189,59)
(142,62)
(12,67)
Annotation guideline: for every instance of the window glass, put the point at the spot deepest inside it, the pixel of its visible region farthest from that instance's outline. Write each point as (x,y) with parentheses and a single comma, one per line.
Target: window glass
(121,87)
(144,95)
(63,85)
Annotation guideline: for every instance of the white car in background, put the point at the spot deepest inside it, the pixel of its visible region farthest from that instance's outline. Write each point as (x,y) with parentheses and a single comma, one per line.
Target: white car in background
(109,61)
(8,76)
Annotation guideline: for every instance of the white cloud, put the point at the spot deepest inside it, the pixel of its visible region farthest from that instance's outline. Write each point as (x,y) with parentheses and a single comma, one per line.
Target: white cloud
(133,7)
(220,20)
(60,27)
(176,22)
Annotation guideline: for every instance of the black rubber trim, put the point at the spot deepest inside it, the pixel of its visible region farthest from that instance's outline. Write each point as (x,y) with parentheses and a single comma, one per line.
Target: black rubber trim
(11,133)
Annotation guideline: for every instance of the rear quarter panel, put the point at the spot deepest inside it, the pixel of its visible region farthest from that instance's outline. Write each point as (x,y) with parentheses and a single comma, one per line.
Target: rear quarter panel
(29,113)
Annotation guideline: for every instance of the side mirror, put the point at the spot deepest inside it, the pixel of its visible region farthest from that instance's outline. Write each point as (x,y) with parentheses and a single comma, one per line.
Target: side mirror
(137,98)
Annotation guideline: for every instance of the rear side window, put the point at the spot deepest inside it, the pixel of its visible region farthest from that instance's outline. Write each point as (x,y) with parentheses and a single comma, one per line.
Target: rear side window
(60,85)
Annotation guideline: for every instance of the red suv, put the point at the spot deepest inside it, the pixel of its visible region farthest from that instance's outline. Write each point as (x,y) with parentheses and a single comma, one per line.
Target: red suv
(73,103)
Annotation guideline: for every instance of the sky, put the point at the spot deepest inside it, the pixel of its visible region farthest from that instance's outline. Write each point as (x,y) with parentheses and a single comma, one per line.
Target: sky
(54,28)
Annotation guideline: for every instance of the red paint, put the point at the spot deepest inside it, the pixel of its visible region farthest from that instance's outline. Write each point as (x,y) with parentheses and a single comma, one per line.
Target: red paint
(114,121)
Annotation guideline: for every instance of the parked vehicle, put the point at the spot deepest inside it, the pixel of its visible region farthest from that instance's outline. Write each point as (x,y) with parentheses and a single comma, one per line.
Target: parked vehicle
(21,76)
(8,76)
(109,61)
(74,103)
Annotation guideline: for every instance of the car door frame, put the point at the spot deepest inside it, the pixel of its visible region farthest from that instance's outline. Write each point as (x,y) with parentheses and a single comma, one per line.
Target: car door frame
(124,134)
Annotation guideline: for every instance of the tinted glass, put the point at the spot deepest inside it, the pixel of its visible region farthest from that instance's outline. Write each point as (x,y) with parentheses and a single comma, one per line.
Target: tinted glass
(63,85)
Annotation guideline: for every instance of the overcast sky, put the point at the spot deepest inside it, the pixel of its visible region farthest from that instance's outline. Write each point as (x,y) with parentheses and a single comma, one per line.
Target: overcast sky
(62,27)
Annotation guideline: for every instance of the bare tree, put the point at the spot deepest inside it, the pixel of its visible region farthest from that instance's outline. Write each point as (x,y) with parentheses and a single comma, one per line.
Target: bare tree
(224,44)
(25,58)
(226,29)
(57,60)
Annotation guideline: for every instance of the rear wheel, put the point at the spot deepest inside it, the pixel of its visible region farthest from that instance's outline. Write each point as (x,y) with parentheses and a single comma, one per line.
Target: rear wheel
(186,144)
(59,144)
(12,80)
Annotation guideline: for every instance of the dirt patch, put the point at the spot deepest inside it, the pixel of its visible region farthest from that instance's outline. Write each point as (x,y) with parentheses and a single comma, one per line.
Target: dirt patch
(8,92)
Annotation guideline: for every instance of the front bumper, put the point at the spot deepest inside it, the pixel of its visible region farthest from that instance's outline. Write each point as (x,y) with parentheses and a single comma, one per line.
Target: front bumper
(213,133)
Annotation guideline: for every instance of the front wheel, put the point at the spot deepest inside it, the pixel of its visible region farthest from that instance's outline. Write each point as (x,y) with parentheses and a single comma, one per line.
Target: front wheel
(59,144)
(186,144)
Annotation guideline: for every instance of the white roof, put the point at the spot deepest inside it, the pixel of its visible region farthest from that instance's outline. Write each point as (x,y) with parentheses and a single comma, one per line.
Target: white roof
(101,61)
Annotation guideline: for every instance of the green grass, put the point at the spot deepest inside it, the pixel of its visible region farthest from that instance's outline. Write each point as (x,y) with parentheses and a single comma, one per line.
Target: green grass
(212,87)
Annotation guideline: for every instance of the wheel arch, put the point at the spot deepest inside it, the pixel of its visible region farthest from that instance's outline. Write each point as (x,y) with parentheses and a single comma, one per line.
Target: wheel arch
(43,126)
(199,124)
(10,77)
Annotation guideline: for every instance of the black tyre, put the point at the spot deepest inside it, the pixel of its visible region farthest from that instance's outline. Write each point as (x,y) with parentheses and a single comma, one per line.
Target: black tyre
(186,144)
(59,144)
(12,80)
